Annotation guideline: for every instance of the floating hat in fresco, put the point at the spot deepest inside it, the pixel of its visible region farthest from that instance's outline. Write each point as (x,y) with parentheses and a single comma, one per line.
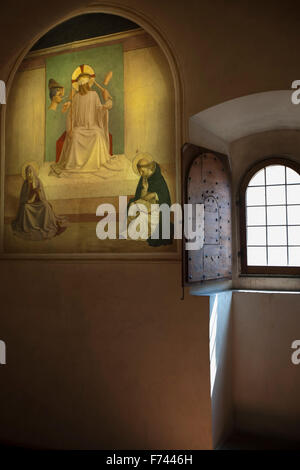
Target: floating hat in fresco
(81,75)
(53,84)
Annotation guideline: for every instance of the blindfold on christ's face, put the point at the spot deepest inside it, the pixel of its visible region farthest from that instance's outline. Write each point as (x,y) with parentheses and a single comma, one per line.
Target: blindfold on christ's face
(83,79)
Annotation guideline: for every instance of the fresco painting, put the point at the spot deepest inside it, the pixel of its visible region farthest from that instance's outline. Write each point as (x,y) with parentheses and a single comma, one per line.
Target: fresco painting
(106,130)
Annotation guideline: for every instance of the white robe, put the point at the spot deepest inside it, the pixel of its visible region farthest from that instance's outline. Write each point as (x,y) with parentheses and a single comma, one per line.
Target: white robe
(86,148)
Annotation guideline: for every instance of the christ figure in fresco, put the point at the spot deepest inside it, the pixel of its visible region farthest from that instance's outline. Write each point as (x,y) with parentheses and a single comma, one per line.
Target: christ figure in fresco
(86,146)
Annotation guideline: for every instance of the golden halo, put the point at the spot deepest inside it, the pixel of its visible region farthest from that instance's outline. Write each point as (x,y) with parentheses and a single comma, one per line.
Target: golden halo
(139,157)
(34,164)
(80,70)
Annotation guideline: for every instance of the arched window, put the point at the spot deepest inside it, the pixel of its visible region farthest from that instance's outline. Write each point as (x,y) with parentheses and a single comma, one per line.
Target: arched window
(270,218)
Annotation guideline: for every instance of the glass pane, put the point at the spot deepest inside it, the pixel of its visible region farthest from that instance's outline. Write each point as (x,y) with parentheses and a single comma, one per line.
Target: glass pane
(277,256)
(256,236)
(294,235)
(255,196)
(292,176)
(293,194)
(277,236)
(293,215)
(275,174)
(256,216)
(276,215)
(258,179)
(256,256)
(275,195)
(294,256)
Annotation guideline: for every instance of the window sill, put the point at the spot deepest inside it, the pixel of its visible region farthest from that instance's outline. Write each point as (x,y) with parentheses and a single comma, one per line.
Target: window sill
(211,287)
(265,275)
(265,291)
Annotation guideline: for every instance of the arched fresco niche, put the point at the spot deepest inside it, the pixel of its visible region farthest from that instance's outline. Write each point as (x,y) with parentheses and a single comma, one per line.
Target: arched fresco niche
(64,157)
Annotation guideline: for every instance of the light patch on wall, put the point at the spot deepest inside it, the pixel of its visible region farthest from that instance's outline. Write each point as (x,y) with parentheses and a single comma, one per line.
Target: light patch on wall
(212,342)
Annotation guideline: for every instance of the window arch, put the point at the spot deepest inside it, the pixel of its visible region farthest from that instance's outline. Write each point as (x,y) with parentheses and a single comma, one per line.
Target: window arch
(270,218)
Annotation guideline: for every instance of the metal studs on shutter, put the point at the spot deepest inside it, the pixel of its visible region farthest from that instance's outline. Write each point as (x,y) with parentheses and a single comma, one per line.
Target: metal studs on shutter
(208,183)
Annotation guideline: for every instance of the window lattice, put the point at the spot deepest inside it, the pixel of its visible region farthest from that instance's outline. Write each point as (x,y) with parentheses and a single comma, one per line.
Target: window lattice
(273,217)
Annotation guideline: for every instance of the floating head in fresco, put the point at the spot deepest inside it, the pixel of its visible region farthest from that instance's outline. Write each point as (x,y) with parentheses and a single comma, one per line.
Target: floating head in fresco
(56,93)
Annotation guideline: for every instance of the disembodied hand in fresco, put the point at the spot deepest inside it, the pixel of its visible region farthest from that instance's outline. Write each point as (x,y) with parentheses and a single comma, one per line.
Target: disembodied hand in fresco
(36,219)
(105,93)
(66,106)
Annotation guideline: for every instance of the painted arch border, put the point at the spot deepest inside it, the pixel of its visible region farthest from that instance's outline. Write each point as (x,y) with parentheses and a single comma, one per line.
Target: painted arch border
(180,130)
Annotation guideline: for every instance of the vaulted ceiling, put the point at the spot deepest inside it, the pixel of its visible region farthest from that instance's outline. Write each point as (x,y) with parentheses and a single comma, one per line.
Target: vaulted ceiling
(247,115)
